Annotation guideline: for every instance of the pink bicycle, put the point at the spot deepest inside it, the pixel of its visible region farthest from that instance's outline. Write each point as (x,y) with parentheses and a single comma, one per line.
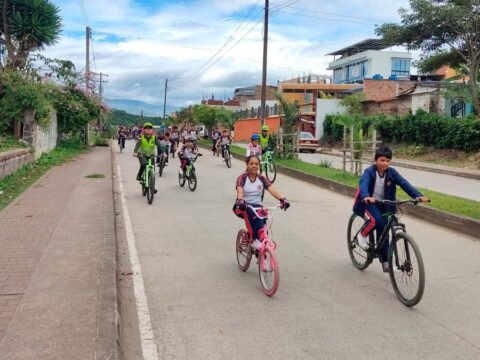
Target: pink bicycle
(268,268)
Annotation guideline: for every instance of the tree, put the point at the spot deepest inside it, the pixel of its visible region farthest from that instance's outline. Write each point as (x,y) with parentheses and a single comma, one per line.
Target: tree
(447,31)
(205,115)
(27,26)
(289,118)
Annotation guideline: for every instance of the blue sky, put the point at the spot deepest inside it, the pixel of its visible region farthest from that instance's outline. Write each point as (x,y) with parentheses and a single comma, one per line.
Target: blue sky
(210,46)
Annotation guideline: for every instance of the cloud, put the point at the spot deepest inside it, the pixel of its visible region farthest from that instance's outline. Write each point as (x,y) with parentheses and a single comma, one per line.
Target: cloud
(140,43)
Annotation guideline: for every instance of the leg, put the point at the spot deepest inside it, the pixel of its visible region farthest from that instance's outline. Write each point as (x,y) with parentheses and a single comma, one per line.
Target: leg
(376,221)
(256,223)
(143,165)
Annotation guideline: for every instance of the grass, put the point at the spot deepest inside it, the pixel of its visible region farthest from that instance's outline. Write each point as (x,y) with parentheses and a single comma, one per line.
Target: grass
(95,176)
(10,143)
(14,184)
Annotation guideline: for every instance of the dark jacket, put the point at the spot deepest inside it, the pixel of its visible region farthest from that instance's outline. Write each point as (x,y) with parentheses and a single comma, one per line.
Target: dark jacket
(367,187)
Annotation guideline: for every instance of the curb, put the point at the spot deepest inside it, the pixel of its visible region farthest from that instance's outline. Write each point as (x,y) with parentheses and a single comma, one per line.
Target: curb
(451,221)
(420,167)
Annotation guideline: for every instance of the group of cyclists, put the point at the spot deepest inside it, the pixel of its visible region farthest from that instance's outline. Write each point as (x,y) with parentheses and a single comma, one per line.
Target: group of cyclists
(378,182)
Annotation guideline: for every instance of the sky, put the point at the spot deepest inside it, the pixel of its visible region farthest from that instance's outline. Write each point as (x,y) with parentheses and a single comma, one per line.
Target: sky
(207,47)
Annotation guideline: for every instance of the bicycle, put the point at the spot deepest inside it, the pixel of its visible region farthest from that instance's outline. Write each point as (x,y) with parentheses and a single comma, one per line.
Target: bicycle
(226,156)
(161,164)
(189,175)
(268,268)
(121,143)
(148,179)
(267,165)
(405,263)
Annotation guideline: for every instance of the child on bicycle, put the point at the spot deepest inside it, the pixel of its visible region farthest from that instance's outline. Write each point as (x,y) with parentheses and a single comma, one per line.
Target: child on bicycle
(379,182)
(224,141)
(186,154)
(250,186)
(162,150)
(145,146)
(254,148)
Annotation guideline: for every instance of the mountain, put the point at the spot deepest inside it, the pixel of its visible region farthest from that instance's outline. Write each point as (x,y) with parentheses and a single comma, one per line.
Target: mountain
(135,107)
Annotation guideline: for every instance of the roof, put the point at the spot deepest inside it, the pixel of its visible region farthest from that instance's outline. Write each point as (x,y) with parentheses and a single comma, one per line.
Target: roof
(364,45)
(323,87)
(354,90)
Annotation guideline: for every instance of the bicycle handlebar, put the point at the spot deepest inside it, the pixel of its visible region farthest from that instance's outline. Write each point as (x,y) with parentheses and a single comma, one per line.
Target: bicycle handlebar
(398,202)
(271,208)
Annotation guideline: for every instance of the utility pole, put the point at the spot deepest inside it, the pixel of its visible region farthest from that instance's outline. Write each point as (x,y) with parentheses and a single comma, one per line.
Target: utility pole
(165,99)
(87,73)
(100,93)
(264,71)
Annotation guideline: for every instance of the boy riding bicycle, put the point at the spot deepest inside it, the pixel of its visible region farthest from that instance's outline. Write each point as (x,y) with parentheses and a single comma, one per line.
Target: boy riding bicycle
(186,154)
(145,147)
(224,141)
(254,148)
(379,182)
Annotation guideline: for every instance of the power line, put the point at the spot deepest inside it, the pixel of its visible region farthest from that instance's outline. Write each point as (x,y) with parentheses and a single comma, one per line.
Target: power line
(326,18)
(333,14)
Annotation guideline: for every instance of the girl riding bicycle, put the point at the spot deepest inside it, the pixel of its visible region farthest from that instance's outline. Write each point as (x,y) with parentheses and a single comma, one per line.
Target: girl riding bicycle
(254,148)
(186,154)
(250,186)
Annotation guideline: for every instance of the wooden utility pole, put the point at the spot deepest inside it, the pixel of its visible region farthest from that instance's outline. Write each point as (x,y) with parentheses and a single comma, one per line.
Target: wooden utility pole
(165,100)
(264,71)
(87,73)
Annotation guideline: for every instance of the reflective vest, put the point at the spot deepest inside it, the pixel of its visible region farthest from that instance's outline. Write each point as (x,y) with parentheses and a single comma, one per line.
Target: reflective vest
(147,146)
(264,141)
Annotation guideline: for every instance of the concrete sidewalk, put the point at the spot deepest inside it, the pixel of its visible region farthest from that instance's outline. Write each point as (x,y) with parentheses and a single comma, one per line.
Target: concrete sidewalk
(57,266)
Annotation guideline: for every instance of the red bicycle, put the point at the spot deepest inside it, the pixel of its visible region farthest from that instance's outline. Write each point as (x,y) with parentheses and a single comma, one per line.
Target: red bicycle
(268,269)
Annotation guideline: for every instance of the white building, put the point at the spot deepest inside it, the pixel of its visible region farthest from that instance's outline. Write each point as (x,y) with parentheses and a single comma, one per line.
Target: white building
(367,60)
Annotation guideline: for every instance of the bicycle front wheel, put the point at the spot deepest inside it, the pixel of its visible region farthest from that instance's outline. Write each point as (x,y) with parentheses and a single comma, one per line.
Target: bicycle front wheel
(161,166)
(269,271)
(405,266)
(181,179)
(151,187)
(228,161)
(243,250)
(271,171)
(360,258)
(192,181)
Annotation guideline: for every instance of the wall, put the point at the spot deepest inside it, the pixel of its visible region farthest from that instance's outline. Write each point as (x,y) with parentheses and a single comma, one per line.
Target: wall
(377,90)
(244,128)
(326,107)
(42,140)
(12,160)
(400,106)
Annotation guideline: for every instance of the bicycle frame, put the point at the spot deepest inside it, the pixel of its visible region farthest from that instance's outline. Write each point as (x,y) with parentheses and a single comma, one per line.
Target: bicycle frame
(149,168)
(264,213)
(267,158)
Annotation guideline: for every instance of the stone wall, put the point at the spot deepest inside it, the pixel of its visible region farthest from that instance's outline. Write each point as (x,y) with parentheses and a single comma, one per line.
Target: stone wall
(12,160)
(42,140)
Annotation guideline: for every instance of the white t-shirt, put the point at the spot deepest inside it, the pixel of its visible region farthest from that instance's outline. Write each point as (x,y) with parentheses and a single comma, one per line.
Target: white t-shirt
(193,135)
(379,191)
(252,190)
(254,150)
(189,153)
(225,140)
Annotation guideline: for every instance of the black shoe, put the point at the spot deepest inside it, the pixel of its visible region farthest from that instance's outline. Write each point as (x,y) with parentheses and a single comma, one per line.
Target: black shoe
(139,178)
(385,267)
(155,191)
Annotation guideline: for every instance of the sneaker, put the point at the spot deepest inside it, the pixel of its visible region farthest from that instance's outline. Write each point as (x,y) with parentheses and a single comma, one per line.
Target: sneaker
(139,178)
(256,245)
(155,191)
(385,267)
(363,241)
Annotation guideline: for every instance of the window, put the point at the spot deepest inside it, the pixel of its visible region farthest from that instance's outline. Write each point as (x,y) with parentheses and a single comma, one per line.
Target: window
(338,75)
(401,67)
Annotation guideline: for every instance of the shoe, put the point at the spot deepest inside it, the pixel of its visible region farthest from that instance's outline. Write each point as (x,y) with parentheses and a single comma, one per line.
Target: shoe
(155,191)
(256,245)
(139,178)
(385,267)
(363,241)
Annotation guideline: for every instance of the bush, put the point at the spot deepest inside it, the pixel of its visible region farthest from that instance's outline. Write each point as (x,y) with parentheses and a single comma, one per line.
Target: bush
(332,131)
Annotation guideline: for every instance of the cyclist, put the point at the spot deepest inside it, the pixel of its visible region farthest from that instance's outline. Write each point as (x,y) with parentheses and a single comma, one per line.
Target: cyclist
(224,141)
(163,148)
(265,139)
(175,138)
(250,186)
(186,154)
(253,148)
(145,146)
(122,136)
(379,182)
(216,134)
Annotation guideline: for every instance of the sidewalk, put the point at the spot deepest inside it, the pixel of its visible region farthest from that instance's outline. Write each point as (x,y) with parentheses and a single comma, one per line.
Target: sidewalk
(57,266)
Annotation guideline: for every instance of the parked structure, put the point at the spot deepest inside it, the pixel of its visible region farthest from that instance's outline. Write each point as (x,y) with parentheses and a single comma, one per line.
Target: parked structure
(366,59)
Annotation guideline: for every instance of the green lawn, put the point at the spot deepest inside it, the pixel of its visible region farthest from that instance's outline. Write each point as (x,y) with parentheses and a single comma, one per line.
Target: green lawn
(10,143)
(14,184)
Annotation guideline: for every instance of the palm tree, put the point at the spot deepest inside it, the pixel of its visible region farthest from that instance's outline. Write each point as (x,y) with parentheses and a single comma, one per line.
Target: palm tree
(289,119)
(27,26)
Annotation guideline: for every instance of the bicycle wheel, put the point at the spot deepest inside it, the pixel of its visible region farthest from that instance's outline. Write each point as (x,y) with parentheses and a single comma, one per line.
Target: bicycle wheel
(405,266)
(360,258)
(192,181)
(243,250)
(181,179)
(269,272)
(151,187)
(161,166)
(271,171)
(228,161)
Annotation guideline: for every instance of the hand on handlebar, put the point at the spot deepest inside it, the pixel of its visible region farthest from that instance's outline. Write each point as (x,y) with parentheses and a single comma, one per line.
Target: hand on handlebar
(423,199)
(369,200)
(284,204)
(241,204)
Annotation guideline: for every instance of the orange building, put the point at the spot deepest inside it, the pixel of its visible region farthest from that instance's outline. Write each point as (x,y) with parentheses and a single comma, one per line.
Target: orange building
(244,128)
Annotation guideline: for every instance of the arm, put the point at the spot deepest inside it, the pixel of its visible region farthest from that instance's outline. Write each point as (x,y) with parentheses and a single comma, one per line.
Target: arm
(239,192)
(275,193)
(364,185)
(137,147)
(406,186)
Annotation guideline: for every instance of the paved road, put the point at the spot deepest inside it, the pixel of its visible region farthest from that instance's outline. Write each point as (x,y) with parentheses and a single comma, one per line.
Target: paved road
(453,185)
(203,307)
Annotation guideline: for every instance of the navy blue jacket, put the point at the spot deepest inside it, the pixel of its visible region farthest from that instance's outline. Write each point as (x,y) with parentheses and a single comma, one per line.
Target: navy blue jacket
(392,179)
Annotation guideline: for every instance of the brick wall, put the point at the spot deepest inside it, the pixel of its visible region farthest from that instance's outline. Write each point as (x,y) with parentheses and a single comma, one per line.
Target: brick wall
(400,106)
(378,90)
(12,160)
(244,128)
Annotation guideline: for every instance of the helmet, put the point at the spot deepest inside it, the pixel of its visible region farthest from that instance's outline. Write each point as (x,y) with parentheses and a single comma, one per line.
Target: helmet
(255,137)
(188,139)
(265,128)
(147,124)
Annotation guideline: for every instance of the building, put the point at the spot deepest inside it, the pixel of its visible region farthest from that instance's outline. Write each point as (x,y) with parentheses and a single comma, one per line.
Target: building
(366,59)
(253,93)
